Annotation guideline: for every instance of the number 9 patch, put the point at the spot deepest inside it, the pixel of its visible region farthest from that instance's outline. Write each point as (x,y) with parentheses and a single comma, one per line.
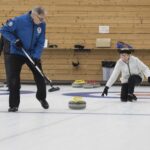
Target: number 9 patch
(39,30)
(10,23)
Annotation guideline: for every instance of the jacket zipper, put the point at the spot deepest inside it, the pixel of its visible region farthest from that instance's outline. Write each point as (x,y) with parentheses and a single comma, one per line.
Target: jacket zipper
(31,38)
(129,68)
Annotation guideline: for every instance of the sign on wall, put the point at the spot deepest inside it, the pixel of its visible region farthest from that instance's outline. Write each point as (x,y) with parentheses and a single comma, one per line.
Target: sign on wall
(103,29)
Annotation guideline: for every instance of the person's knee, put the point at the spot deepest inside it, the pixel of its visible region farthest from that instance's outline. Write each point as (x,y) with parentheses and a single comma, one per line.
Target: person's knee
(134,80)
(123,96)
(124,92)
(14,84)
(123,100)
(131,79)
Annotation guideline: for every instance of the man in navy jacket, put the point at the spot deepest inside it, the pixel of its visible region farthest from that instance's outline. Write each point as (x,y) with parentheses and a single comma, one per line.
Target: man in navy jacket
(26,31)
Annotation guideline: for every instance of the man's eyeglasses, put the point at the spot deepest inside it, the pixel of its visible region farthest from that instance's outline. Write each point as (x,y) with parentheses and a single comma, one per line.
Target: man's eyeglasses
(40,18)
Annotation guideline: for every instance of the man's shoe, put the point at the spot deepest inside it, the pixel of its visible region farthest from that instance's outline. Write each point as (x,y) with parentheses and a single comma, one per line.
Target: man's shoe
(130,98)
(12,109)
(134,97)
(44,104)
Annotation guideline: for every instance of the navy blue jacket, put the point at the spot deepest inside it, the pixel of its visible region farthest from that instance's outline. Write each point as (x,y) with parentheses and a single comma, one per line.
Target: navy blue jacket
(31,35)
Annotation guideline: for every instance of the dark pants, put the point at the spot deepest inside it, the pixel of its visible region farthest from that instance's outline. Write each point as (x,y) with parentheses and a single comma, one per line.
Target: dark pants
(128,88)
(7,67)
(16,63)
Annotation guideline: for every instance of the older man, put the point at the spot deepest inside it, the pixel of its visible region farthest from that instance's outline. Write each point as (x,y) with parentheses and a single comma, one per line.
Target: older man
(26,31)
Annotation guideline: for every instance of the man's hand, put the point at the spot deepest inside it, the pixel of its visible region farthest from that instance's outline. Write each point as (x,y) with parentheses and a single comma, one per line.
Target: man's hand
(36,61)
(105,91)
(18,43)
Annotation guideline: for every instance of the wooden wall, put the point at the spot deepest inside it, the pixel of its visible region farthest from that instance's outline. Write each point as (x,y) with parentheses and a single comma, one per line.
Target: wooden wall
(77,21)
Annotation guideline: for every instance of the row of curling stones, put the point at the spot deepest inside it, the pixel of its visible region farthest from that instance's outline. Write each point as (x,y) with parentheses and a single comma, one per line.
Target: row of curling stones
(77,103)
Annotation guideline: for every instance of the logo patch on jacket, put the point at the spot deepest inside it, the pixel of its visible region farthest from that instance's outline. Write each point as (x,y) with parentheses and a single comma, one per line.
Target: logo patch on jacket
(39,30)
(10,23)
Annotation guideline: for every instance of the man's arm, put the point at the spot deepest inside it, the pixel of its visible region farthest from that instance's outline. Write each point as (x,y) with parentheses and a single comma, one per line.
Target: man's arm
(144,68)
(8,30)
(114,75)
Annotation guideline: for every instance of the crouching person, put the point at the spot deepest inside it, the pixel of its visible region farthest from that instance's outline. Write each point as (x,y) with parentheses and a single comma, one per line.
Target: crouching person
(132,71)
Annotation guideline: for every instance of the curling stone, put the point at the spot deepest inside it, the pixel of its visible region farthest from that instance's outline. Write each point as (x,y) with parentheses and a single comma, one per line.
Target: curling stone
(88,85)
(77,103)
(78,83)
(91,84)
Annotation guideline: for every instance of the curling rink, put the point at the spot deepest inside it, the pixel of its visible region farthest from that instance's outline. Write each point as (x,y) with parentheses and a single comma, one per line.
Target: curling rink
(105,124)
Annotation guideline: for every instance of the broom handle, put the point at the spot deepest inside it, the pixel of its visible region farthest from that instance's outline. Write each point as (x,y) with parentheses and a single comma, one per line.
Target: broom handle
(38,69)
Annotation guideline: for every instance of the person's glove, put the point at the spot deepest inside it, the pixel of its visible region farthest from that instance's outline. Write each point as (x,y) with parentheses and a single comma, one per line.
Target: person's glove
(36,61)
(105,91)
(18,43)
(149,79)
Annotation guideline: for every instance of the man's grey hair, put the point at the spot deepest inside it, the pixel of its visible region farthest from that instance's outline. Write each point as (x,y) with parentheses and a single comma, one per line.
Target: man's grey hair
(39,10)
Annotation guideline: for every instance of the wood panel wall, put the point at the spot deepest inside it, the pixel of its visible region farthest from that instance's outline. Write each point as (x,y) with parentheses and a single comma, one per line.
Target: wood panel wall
(77,21)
